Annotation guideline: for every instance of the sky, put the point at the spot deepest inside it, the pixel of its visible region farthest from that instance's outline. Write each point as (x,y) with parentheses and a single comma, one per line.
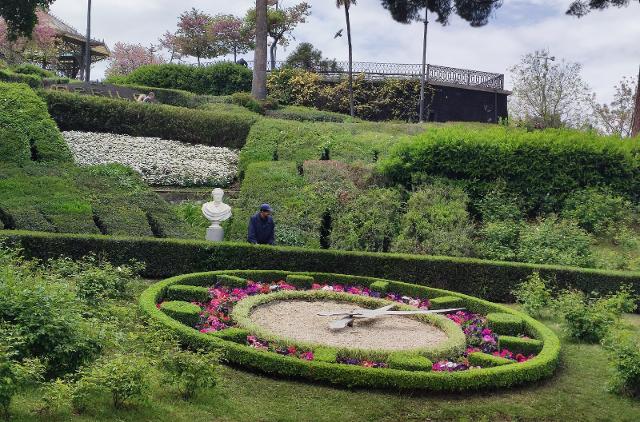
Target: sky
(606,43)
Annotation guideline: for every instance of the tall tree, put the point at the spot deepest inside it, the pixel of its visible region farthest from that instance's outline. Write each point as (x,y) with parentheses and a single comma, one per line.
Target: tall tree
(20,16)
(234,35)
(195,38)
(259,83)
(39,47)
(125,58)
(616,118)
(308,58)
(169,42)
(347,5)
(580,8)
(548,94)
(280,24)
(406,11)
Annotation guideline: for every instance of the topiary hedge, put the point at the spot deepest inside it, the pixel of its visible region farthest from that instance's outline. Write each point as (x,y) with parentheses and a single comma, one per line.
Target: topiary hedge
(541,167)
(98,114)
(492,280)
(326,370)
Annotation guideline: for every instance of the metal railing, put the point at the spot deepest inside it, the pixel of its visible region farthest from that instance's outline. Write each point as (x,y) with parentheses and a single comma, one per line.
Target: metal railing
(374,70)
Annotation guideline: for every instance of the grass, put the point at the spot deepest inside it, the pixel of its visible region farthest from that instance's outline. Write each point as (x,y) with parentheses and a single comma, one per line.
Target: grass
(576,392)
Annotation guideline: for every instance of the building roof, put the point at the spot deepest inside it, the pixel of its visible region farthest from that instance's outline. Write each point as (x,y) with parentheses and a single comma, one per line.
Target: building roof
(72,35)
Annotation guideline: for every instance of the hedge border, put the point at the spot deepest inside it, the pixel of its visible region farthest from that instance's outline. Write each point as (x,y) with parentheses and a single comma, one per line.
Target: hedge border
(542,366)
(492,280)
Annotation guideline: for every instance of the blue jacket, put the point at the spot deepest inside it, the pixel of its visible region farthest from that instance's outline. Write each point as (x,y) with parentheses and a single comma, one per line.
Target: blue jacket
(261,231)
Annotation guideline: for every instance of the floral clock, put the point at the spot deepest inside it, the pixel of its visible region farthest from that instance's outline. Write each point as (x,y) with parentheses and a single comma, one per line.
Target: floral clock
(279,323)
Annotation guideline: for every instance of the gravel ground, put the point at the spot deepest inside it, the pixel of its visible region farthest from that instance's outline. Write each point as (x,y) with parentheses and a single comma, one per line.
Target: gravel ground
(298,320)
(160,162)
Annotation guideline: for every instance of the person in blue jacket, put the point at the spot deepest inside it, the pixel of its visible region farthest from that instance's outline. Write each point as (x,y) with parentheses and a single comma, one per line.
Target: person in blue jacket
(262,227)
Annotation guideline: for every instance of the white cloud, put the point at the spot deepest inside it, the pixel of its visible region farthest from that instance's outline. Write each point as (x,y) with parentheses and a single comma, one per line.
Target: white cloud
(606,43)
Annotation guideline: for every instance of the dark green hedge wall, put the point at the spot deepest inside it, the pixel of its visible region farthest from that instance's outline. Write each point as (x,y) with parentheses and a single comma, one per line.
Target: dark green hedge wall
(166,257)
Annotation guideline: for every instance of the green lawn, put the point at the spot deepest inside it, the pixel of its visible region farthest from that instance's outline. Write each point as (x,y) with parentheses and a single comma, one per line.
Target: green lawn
(577,392)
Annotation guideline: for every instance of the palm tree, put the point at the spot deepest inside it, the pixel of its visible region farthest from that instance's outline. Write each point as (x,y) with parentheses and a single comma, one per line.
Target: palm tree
(259,84)
(347,4)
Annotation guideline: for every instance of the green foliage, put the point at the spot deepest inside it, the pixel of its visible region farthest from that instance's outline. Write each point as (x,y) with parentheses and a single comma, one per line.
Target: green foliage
(190,371)
(533,294)
(33,81)
(409,362)
(486,360)
(124,377)
(554,241)
(499,205)
(369,222)
(436,222)
(598,211)
(231,281)
(589,318)
(379,286)
(188,293)
(28,132)
(308,114)
(185,312)
(499,240)
(301,281)
(31,69)
(542,168)
(446,302)
(217,79)
(526,346)
(8,384)
(99,114)
(624,352)
(56,397)
(503,323)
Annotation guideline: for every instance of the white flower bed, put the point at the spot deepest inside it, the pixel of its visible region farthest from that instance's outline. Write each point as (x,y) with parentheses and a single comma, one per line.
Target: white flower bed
(160,162)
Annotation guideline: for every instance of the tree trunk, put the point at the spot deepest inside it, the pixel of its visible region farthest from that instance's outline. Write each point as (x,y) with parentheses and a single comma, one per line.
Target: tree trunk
(235,54)
(272,51)
(346,14)
(259,84)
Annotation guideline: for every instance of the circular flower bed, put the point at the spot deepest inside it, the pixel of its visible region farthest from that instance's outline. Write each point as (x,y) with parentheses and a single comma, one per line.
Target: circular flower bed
(485,345)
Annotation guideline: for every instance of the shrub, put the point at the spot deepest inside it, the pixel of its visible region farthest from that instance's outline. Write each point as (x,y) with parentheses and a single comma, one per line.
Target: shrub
(598,211)
(124,377)
(446,302)
(30,69)
(499,240)
(369,222)
(99,114)
(188,293)
(499,205)
(486,360)
(526,346)
(217,79)
(307,114)
(190,371)
(30,132)
(300,280)
(379,286)
(185,312)
(589,318)
(624,357)
(503,323)
(554,241)
(542,168)
(436,222)
(8,384)
(231,281)
(533,295)
(408,362)
(32,80)
(56,397)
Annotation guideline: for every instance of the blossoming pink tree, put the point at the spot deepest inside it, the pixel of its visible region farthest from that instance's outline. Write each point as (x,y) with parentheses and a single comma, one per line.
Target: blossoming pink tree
(169,42)
(125,58)
(195,37)
(41,47)
(233,34)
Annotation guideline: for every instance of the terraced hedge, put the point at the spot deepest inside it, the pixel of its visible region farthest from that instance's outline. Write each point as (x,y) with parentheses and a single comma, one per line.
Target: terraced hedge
(235,351)
(490,280)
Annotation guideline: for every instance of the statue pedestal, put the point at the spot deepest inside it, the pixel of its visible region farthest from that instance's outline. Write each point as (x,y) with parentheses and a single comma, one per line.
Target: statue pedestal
(215,233)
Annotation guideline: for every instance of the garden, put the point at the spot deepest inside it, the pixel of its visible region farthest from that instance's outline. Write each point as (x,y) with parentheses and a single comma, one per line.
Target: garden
(513,253)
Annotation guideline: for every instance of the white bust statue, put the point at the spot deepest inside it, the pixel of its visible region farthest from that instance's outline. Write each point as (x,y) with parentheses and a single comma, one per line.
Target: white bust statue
(216,212)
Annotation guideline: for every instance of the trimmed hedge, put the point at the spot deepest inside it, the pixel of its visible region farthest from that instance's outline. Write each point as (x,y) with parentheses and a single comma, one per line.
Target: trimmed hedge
(185,312)
(307,114)
(492,280)
(27,130)
(541,167)
(300,280)
(188,293)
(381,287)
(486,360)
(217,79)
(503,323)
(99,114)
(409,362)
(543,365)
(526,346)
(33,81)
(446,302)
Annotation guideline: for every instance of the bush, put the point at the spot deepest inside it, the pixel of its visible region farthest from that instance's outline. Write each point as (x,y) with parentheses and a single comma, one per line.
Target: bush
(526,346)
(589,318)
(99,114)
(307,114)
(190,371)
(381,287)
(624,353)
(499,205)
(32,80)
(231,281)
(533,295)
(499,240)
(503,323)
(554,241)
(486,360)
(27,129)
(408,362)
(188,294)
(368,223)
(542,168)
(185,312)
(300,280)
(217,79)
(8,384)
(436,222)
(446,302)
(124,377)
(30,69)
(598,211)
